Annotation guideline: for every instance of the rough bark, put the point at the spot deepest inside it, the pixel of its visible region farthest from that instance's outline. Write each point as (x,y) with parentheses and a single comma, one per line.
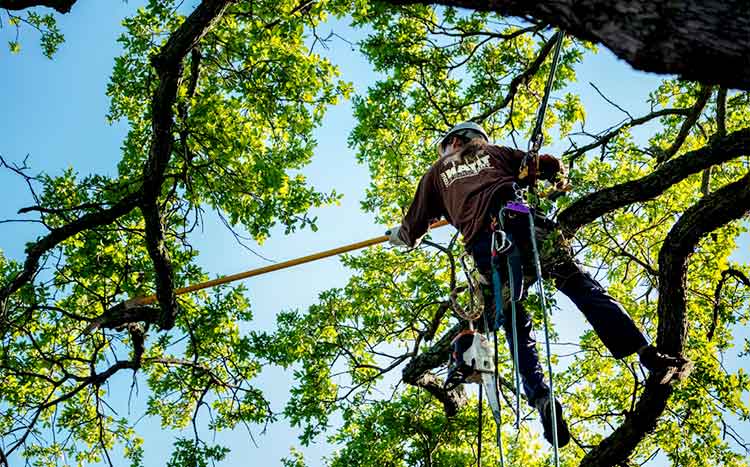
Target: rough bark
(61,6)
(594,205)
(713,211)
(705,41)
(121,315)
(168,65)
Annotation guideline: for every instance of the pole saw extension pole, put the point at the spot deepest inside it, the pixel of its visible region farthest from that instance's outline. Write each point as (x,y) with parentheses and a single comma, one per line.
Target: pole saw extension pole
(138,301)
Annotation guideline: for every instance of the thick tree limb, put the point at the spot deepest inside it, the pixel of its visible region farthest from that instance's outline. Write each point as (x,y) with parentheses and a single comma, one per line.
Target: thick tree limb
(417,372)
(713,211)
(121,315)
(594,205)
(452,400)
(61,6)
(168,65)
(698,40)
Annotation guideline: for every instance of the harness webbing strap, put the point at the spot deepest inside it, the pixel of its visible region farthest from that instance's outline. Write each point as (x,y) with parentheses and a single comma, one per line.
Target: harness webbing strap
(496,389)
(498,428)
(497,292)
(516,370)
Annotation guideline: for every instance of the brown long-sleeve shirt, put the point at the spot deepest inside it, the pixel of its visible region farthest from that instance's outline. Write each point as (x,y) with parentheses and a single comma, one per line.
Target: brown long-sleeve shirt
(462,189)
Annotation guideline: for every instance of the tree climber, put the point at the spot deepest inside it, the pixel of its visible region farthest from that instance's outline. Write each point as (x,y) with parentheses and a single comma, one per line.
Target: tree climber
(468,184)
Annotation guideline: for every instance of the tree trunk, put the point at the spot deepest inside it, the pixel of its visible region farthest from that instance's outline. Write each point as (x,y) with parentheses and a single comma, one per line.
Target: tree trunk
(706,41)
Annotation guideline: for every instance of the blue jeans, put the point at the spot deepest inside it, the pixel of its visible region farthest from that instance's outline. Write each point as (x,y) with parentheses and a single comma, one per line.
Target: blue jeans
(611,323)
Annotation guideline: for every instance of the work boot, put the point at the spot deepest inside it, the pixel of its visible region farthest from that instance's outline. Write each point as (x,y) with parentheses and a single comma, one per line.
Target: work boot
(665,368)
(542,405)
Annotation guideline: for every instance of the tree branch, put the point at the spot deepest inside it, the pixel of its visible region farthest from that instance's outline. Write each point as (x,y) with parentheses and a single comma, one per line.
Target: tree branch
(36,250)
(522,78)
(417,372)
(168,65)
(604,139)
(122,314)
(695,39)
(61,6)
(591,206)
(721,131)
(694,113)
(711,212)
(726,274)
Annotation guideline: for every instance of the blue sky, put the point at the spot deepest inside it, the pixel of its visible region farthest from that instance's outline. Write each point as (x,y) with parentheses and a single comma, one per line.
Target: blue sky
(54,112)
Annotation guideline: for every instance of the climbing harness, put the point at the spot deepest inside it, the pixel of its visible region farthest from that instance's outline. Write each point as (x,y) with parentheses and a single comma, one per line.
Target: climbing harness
(507,246)
(503,244)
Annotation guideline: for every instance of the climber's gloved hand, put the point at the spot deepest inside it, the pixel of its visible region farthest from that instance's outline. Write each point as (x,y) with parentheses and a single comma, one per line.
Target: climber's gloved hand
(394,238)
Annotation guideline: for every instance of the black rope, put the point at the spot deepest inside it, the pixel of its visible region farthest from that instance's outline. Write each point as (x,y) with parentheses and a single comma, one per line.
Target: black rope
(536,140)
(530,162)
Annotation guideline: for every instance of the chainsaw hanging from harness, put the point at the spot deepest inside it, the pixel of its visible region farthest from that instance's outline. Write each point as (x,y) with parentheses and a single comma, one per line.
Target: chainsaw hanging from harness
(471,356)
(473,360)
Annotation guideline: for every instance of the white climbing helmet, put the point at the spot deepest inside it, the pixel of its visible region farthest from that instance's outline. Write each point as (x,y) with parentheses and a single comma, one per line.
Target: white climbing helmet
(466,129)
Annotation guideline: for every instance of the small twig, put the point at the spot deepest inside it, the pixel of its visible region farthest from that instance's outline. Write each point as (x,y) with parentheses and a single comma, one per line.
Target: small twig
(725,275)
(611,102)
